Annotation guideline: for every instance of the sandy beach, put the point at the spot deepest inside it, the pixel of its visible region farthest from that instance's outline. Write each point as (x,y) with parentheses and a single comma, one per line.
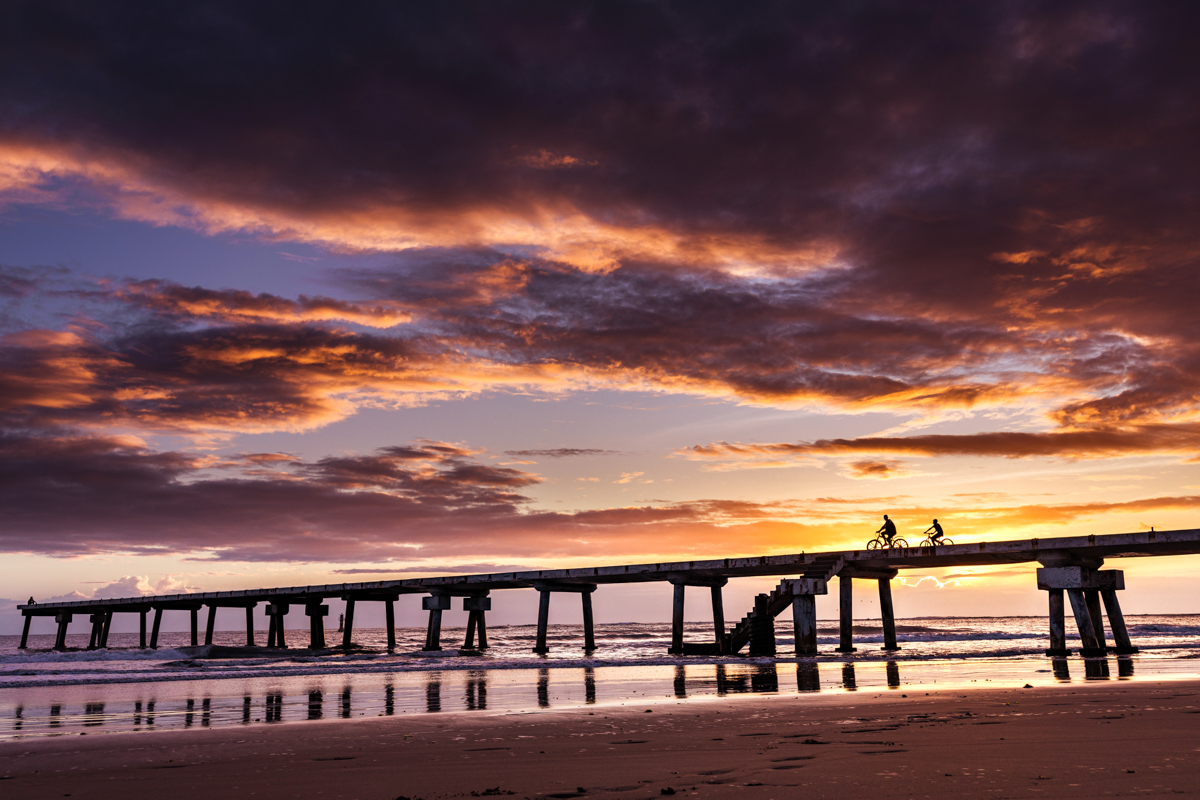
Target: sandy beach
(1118,739)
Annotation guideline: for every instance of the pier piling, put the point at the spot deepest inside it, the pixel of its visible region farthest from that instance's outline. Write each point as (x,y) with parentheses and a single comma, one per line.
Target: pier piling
(888,614)
(275,632)
(194,615)
(316,613)
(154,630)
(1058,625)
(804,623)
(677,619)
(846,614)
(1116,621)
(250,626)
(348,625)
(476,608)
(60,639)
(680,582)
(25,632)
(389,612)
(1084,585)
(105,629)
(210,624)
(545,588)
(762,627)
(435,604)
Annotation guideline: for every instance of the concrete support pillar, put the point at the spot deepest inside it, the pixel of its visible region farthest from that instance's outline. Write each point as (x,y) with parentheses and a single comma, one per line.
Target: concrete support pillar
(1092,596)
(60,639)
(155,628)
(1083,620)
(25,632)
(677,620)
(846,610)
(210,624)
(249,626)
(589,631)
(543,621)
(804,623)
(97,621)
(1116,621)
(389,612)
(476,608)
(195,616)
(277,612)
(108,615)
(762,628)
(142,629)
(1058,625)
(888,614)
(316,613)
(435,605)
(718,606)
(270,629)
(348,625)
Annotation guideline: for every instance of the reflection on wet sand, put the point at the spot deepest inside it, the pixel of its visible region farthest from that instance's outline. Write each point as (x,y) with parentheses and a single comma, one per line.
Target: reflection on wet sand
(473,690)
(808,676)
(893,675)
(433,693)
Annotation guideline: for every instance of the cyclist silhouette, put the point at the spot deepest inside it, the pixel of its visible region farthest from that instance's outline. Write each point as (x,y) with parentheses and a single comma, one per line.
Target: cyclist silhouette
(888,529)
(936,536)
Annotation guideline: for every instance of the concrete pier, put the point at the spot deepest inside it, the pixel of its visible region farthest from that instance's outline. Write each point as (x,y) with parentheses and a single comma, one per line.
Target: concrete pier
(1069,571)
(348,624)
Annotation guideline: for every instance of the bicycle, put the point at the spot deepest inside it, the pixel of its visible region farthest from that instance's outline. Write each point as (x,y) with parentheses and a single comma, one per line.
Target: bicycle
(881,544)
(929,542)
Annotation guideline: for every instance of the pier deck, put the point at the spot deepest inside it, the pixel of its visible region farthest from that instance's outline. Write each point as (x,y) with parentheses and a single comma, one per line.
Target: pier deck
(810,574)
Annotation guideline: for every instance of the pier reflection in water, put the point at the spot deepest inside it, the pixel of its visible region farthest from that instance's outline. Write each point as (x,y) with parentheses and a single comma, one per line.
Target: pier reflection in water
(171,705)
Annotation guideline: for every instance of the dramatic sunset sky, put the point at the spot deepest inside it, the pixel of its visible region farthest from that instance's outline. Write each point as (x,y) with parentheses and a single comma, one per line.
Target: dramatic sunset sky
(298,293)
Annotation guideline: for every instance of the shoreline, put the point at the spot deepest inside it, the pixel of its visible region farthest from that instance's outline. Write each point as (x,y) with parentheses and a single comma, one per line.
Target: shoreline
(1080,740)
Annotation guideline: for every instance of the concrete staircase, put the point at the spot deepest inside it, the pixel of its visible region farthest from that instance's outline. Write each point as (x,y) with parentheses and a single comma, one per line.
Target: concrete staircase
(771,605)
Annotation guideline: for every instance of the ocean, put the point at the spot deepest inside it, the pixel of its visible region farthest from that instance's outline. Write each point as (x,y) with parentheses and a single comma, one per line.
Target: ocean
(123,688)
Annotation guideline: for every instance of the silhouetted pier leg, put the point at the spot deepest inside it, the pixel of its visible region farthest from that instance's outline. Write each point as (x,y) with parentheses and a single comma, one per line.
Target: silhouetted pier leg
(107,627)
(348,625)
(389,612)
(210,624)
(435,604)
(277,612)
(804,623)
(155,628)
(249,626)
(469,639)
(1058,625)
(1116,621)
(60,639)
(888,613)
(194,613)
(270,630)
(316,613)
(25,632)
(589,633)
(718,606)
(762,628)
(97,621)
(1083,620)
(846,612)
(543,621)
(1092,596)
(677,620)
(142,629)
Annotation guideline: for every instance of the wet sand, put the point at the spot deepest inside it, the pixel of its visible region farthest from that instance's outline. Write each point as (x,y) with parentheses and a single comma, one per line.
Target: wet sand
(1114,739)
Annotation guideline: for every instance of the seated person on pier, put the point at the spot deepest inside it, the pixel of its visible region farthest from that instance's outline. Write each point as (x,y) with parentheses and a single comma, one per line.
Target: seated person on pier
(938,533)
(888,530)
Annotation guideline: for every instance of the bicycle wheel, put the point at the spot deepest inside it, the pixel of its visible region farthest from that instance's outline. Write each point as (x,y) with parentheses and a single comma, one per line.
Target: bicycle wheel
(898,542)
(945,541)
(873,544)
(926,543)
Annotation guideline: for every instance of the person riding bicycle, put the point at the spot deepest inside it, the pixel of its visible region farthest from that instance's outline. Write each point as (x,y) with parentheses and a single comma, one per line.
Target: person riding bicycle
(938,533)
(888,530)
